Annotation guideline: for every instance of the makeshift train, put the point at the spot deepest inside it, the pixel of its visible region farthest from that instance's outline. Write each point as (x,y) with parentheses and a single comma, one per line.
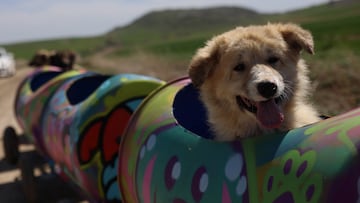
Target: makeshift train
(136,139)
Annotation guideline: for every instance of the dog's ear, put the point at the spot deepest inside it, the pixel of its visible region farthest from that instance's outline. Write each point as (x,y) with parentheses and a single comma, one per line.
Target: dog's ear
(204,62)
(297,38)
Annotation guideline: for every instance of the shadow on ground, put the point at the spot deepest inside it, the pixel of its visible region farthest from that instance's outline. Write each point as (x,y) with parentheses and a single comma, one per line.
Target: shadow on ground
(44,187)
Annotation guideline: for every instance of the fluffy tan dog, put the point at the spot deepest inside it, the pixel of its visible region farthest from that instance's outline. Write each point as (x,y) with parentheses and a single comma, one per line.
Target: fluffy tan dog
(252,80)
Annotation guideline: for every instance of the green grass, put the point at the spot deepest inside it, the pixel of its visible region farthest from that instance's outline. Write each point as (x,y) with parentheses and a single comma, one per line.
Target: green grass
(83,46)
(333,26)
(324,12)
(338,33)
(181,49)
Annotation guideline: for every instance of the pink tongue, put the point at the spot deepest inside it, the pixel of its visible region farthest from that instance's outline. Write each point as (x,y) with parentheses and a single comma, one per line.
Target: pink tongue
(269,114)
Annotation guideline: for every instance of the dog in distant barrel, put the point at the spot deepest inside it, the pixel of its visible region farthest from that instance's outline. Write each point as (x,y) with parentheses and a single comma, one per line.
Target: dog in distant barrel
(252,80)
(62,59)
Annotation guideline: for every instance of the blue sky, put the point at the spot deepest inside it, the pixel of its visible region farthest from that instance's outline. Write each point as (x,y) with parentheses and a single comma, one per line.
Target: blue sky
(26,20)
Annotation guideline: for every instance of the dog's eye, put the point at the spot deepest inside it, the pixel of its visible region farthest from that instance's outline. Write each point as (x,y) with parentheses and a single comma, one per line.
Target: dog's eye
(273,60)
(240,67)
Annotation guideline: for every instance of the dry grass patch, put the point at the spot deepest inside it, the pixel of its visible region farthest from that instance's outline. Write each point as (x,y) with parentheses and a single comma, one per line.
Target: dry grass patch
(337,82)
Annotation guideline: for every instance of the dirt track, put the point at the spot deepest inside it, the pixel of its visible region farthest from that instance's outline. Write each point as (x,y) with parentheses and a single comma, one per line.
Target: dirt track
(48,186)
(7,94)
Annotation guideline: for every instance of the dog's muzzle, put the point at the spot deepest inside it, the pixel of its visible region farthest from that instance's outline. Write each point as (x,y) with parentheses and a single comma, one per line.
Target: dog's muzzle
(268,113)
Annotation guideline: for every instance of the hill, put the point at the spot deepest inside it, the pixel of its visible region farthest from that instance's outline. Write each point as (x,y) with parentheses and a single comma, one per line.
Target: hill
(180,32)
(174,24)
(333,25)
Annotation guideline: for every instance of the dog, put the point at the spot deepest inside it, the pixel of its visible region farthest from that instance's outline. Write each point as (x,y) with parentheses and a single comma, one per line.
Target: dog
(41,58)
(64,59)
(253,81)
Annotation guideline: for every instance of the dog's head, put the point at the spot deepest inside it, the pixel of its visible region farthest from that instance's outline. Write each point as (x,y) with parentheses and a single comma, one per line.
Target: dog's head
(41,58)
(257,66)
(63,59)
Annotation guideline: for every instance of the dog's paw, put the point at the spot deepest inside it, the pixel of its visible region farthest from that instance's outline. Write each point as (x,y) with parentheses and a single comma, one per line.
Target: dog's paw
(292,181)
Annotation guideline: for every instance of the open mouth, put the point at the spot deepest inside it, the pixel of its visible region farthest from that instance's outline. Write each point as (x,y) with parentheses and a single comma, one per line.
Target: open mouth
(246,104)
(251,106)
(268,113)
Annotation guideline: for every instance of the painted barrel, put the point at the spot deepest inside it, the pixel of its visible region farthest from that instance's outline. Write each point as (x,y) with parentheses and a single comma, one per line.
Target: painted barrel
(76,119)
(32,97)
(166,156)
(130,138)
(92,132)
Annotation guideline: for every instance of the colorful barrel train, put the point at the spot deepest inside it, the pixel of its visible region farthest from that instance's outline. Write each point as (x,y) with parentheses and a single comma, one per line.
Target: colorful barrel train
(136,139)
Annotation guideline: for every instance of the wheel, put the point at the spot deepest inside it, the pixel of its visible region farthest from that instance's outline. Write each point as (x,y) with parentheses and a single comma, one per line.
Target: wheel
(11,145)
(28,179)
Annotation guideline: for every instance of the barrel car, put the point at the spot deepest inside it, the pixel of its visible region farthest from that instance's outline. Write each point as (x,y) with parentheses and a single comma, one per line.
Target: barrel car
(136,139)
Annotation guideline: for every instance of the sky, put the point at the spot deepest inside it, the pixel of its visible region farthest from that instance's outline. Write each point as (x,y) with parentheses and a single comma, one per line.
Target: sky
(29,20)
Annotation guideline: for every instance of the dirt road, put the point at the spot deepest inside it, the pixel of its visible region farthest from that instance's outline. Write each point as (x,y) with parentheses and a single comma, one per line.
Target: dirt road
(7,94)
(49,188)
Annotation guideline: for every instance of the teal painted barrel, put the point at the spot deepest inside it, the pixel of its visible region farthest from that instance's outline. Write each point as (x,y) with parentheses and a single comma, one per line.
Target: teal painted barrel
(83,126)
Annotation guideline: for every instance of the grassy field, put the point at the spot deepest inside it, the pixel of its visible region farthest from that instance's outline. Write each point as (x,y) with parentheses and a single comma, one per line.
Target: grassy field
(161,43)
(83,46)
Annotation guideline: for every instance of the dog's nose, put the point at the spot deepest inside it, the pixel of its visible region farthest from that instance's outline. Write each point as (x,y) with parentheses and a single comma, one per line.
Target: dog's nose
(267,89)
